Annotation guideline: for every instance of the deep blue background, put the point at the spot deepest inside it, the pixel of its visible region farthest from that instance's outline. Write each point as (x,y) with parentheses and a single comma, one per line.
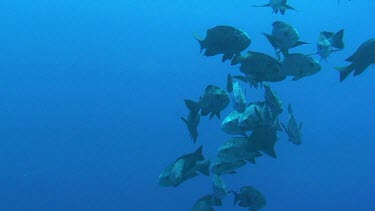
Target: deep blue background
(91,92)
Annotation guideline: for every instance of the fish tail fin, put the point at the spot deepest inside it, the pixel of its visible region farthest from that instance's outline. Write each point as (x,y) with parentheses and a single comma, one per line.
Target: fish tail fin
(203,167)
(236,59)
(200,41)
(337,39)
(192,106)
(344,71)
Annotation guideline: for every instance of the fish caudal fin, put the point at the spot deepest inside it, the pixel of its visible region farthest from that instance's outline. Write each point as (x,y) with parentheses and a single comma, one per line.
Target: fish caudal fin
(337,40)
(200,41)
(203,167)
(344,72)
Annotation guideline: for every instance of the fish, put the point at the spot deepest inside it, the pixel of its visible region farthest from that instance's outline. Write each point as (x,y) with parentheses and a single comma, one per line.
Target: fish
(362,58)
(272,100)
(256,115)
(212,101)
(299,65)
(220,190)
(249,197)
(283,37)
(193,120)
(230,124)
(278,5)
(237,148)
(329,42)
(226,40)
(184,168)
(239,101)
(206,203)
(293,129)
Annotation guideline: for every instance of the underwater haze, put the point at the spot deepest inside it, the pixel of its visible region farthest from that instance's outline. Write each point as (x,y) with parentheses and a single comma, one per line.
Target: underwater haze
(92,94)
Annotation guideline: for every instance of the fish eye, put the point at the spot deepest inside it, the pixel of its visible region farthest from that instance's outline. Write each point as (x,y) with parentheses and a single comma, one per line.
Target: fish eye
(311,64)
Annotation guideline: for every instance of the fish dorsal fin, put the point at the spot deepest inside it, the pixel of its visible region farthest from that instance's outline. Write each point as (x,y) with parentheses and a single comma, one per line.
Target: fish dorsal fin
(265,5)
(337,39)
(326,34)
(270,151)
(298,43)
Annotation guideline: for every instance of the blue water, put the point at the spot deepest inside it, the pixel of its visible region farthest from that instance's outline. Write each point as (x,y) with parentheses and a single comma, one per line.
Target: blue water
(91,94)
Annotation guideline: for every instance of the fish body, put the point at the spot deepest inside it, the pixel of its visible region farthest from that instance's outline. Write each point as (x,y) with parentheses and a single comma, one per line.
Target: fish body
(231,125)
(362,58)
(238,148)
(184,168)
(249,197)
(239,101)
(293,129)
(299,66)
(222,167)
(226,40)
(283,37)
(329,42)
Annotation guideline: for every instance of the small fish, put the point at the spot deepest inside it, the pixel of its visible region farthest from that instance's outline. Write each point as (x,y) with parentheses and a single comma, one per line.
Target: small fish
(206,203)
(329,42)
(193,119)
(249,197)
(278,5)
(293,129)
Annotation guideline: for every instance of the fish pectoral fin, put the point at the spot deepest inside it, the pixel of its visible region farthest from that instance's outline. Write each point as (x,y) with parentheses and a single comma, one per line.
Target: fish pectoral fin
(271,40)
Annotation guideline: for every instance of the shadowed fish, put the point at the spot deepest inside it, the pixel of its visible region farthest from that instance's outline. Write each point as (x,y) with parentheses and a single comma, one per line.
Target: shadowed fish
(238,148)
(249,197)
(283,37)
(219,188)
(225,40)
(213,101)
(293,129)
(277,5)
(272,100)
(264,140)
(239,101)
(256,115)
(184,168)
(193,119)
(329,42)
(231,125)
(360,60)
(220,167)
(206,203)
(299,65)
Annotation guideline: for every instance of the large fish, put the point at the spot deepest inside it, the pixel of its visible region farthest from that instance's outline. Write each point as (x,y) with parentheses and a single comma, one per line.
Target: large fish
(283,37)
(360,60)
(225,40)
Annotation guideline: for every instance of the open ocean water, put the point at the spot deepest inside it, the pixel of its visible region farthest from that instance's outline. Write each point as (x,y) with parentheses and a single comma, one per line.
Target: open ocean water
(91,95)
